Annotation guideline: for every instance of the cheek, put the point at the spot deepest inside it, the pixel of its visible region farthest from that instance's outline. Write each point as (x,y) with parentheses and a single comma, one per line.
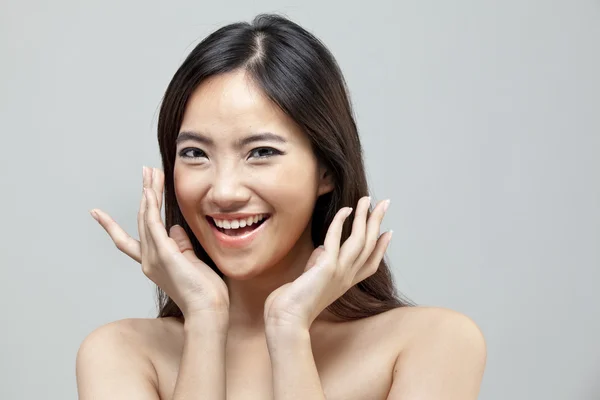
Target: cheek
(291,192)
(289,186)
(187,191)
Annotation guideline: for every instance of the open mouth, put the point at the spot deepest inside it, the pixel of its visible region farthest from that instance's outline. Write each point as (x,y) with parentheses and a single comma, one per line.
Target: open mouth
(238,231)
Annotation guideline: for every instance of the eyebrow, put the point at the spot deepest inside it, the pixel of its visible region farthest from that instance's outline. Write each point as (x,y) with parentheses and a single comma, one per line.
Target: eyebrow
(257,137)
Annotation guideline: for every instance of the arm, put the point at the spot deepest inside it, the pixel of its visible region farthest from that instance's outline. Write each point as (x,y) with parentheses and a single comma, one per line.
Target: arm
(445,360)
(330,271)
(202,367)
(293,365)
(111,366)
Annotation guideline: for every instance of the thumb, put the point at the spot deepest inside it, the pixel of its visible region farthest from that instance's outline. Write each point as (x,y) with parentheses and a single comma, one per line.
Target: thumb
(178,234)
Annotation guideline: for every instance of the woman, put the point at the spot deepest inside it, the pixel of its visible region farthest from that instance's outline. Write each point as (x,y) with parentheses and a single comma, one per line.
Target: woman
(262,164)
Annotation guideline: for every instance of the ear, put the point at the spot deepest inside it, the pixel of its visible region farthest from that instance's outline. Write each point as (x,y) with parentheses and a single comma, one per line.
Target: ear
(326,183)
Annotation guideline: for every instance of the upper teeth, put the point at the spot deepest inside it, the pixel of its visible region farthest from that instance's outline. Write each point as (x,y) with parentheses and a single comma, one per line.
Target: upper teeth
(238,223)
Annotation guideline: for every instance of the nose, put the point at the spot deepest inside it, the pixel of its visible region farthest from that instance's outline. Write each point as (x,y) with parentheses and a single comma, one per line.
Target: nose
(227,193)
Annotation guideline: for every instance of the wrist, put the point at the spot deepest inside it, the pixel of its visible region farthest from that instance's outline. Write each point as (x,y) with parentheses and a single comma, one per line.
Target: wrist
(286,332)
(285,323)
(282,339)
(207,321)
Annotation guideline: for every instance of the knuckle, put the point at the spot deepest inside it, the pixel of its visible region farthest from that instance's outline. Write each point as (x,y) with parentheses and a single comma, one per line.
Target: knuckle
(149,269)
(119,244)
(146,270)
(373,267)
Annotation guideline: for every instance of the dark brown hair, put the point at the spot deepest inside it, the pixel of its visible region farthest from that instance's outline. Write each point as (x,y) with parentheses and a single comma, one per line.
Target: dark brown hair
(299,74)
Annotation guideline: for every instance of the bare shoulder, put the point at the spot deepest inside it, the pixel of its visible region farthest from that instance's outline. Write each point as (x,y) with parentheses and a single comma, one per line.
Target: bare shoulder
(411,326)
(444,354)
(423,321)
(113,361)
(421,325)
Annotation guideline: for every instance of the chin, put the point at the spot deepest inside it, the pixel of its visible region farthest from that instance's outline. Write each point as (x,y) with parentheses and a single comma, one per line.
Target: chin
(240,269)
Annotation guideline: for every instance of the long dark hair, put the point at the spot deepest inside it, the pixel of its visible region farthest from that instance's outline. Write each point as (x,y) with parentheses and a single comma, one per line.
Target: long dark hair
(299,74)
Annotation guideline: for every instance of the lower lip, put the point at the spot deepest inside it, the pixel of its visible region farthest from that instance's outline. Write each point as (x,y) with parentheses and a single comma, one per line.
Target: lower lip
(237,241)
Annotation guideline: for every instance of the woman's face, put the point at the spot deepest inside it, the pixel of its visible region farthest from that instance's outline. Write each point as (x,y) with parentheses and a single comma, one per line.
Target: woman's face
(230,170)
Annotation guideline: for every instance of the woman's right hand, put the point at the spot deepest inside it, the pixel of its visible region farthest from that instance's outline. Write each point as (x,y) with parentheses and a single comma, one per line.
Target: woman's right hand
(169,260)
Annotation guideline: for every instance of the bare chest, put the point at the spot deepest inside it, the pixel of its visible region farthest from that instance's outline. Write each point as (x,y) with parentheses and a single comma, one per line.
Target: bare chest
(354,362)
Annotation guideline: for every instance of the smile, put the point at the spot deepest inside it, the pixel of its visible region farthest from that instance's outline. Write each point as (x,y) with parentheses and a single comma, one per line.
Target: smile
(233,235)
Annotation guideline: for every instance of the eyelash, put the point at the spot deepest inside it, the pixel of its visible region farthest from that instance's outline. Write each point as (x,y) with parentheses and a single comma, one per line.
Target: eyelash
(274,152)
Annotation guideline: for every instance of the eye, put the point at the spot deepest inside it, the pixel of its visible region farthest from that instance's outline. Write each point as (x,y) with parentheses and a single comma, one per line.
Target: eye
(265,152)
(183,153)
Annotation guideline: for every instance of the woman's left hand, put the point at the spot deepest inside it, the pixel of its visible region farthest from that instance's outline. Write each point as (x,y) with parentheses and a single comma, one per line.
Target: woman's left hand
(331,270)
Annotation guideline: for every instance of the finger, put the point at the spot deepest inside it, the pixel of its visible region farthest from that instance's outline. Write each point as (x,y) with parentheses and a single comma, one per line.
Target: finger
(155,182)
(155,228)
(122,240)
(372,233)
(374,260)
(142,212)
(158,183)
(334,232)
(147,177)
(354,245)
(179,235)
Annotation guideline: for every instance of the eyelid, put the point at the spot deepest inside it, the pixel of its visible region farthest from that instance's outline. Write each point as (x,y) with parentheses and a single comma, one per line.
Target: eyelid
(274,151)
(182,152)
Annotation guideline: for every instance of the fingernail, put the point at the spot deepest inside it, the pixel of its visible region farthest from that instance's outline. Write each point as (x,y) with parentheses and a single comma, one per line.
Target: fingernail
(349,211)
(386,205)
(94,214)
(153,174)
(144,171)
(391,233)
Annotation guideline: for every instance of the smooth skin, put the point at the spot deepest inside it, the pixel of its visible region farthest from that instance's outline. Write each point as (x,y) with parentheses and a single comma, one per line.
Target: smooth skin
(444,361)
(169,261)
(264,332)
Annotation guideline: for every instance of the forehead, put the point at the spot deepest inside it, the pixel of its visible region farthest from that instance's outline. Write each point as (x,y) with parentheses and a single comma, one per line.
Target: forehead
(231,104)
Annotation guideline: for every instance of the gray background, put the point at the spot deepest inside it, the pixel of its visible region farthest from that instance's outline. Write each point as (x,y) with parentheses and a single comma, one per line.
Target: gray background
(480,120)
